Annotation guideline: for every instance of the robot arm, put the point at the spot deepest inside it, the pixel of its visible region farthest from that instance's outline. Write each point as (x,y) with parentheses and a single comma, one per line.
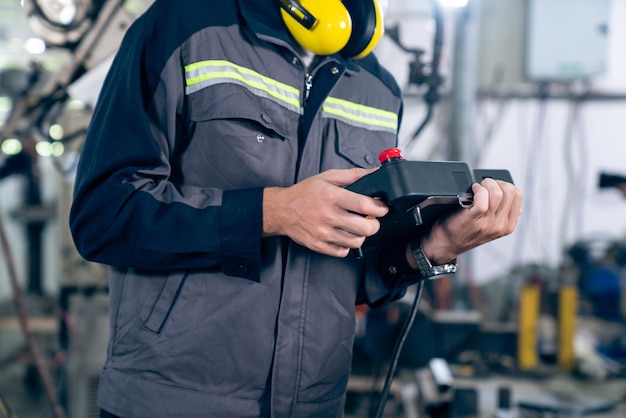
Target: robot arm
(92,32)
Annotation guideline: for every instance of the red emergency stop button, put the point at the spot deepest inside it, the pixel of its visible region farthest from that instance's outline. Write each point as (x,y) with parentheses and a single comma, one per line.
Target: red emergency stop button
(389,154)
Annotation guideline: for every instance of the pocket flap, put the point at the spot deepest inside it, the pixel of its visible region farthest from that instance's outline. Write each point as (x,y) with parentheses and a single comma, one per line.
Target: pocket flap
(165,302)
(235,102)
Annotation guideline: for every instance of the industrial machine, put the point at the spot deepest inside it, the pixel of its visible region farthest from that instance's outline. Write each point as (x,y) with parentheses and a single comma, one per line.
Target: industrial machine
(87,33)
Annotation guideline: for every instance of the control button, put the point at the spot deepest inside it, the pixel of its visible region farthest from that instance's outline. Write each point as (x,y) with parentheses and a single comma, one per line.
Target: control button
(389,154)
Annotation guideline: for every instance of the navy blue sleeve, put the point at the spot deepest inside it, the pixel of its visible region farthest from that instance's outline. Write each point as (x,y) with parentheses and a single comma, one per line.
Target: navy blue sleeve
(128,211)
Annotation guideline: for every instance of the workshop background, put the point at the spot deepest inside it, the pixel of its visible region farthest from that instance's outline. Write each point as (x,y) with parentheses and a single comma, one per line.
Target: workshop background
(532,325)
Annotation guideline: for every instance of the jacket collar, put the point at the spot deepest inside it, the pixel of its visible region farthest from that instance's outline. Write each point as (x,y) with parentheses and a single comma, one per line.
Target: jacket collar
(264,20)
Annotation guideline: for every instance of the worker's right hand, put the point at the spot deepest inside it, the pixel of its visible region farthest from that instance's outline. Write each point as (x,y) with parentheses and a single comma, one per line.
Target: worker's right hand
(320,214)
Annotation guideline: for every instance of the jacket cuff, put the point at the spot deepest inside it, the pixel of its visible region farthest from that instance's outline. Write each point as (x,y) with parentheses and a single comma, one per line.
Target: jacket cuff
(242,228)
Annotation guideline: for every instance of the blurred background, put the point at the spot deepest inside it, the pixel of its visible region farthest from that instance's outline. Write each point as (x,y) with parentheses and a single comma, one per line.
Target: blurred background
(531,325)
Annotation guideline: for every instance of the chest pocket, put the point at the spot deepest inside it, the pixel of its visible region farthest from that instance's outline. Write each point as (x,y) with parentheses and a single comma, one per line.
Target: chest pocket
(362,146)
(351,146)
(239,139)
(359,132)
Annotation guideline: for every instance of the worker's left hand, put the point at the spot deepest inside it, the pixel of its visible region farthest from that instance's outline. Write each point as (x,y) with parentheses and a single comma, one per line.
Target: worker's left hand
(494,214)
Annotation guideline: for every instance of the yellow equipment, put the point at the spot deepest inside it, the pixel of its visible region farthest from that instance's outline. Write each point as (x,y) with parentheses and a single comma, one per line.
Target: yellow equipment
(324,27)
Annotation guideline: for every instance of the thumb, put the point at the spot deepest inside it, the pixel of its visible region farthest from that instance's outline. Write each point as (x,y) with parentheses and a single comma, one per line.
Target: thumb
(346,177)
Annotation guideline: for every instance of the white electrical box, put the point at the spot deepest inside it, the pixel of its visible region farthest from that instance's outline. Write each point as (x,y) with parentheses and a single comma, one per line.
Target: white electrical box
(502,42)
(566,39)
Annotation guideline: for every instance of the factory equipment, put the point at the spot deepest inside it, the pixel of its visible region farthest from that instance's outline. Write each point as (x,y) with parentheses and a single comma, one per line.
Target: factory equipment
(91,33)
(87,352)
(44,103)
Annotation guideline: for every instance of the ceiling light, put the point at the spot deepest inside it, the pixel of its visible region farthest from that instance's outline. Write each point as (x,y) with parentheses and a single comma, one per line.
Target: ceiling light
(453,3)
(35,46)
(11,146)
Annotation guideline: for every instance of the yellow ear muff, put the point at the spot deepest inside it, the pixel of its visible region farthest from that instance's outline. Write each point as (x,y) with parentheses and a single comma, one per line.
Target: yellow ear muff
(321,26)
(379,31)
(367,28)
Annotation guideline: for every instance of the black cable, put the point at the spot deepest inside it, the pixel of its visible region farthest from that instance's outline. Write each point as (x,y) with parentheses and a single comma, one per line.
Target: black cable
(420,128)
(434,78)
(395,356)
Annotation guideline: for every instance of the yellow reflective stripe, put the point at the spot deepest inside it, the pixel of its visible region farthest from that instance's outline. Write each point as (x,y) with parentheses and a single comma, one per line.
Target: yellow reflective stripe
(200,75)
(361,115)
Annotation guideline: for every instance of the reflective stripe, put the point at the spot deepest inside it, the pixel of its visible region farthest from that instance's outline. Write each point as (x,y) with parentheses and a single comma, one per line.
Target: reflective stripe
(360,115)
(203,74)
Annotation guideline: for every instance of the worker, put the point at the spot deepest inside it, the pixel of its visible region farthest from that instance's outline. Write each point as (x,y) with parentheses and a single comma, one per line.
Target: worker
(212,182)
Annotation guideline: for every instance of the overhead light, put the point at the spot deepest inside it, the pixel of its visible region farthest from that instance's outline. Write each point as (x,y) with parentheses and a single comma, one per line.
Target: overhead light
(56,132)
(35,46)
(57,149)
(453,3)
(11,146)
(59,22)
(43,149)
(49,149)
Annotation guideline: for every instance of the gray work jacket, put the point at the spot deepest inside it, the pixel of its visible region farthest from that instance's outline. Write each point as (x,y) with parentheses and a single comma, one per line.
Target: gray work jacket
(206,103)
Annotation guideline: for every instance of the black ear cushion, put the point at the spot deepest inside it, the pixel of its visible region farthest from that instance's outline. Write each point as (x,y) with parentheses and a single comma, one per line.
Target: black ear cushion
(363,14)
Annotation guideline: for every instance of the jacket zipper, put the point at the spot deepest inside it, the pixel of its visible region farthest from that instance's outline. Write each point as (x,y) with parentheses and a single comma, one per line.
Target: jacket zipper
(308,83)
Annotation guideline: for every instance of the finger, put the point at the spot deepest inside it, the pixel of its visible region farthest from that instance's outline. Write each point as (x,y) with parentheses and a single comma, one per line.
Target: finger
(357,225)
(507,213)
(349,232)
(343,238)
(338,243)
(507,200)
(337,250)
(481,200)
(346,177)
(510,205)
(364,205)
(330,248)
(496,194)
(516,206)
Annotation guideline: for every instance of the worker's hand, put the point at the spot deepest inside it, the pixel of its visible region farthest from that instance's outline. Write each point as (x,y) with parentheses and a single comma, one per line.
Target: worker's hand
(320,214)
(497,207)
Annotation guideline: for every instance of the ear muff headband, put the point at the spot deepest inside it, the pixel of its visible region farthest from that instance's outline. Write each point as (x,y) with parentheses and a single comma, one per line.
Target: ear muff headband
(298,13)
(367,27)
(327,34)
